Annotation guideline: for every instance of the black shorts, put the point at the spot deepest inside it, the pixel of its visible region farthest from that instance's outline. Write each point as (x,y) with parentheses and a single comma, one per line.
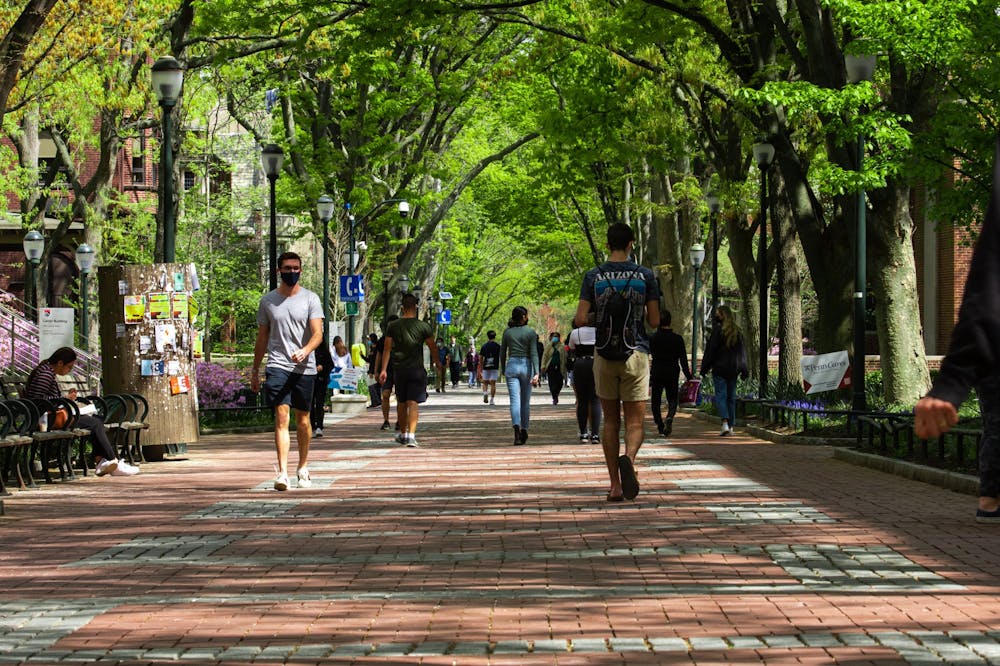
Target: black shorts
(411,384)
(389,383)
(282,387)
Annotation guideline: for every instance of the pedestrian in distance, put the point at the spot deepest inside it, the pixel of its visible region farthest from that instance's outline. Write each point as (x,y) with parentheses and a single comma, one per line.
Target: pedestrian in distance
(973,359)
(726,359)
(404,341)
(669,358)
(554,364)
(519,364)
(489,367)
(444,359)
(43,385)
(342,356)
(387,383)
(324,365)
(371,360)
(289,328)
(472,366)
(619,298)
(588,406)
(455,363)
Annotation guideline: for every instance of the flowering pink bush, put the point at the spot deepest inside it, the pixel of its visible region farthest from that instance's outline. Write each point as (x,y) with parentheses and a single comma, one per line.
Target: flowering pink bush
(219,386)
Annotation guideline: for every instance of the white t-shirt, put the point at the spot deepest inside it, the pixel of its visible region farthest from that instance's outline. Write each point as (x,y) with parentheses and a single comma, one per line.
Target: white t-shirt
(585,335)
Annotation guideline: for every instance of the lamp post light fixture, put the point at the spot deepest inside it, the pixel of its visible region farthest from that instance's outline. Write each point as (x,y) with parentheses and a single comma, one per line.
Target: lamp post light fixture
(714,206)
(404,284)
(85,262)
(167,75)
(763,154)
(697,256)
(271,159)
(859,68)
(34,246)
(324,208)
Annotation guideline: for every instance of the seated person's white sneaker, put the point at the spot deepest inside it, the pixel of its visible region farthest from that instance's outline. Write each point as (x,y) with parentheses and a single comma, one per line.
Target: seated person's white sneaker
(106,467)
(125,469)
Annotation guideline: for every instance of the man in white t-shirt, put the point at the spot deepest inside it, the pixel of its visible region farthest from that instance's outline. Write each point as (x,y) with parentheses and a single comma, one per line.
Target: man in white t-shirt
(289,328)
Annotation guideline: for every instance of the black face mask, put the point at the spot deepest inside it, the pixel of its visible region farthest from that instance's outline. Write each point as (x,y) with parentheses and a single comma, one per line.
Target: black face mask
(291,279)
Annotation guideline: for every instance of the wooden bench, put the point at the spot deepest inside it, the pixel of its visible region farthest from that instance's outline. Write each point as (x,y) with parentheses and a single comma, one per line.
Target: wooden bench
(15,443)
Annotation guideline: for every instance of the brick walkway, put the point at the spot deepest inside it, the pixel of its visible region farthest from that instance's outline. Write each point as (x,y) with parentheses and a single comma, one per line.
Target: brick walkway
(471,551)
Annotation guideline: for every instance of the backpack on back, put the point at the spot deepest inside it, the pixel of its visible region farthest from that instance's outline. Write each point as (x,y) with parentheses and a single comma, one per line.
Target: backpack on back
(615,337)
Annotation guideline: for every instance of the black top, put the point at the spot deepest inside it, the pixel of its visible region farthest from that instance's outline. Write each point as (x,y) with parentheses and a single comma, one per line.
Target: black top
(490,354)
(723,361)
(325,359)
(974,352)
(669,355)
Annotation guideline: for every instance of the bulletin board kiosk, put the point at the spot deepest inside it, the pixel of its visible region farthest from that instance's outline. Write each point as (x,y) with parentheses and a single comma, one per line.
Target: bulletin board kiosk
(149,345)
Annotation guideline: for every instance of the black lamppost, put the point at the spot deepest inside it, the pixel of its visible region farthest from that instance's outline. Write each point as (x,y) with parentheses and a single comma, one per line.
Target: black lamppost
(271,158)
(859,68)
(386,278)
(763,154)
(324,207)
(714,206)
(697,256)
(167,78)
(34,246)
(85,262)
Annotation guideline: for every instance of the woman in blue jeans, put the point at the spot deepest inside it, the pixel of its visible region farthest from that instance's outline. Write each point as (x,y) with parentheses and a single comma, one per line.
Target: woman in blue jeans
(726,358)
(519,364)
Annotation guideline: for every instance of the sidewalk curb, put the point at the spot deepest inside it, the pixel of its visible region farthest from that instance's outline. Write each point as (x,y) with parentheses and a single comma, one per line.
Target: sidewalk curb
(966,484)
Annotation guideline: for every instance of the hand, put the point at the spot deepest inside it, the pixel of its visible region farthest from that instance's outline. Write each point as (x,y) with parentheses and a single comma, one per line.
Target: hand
(300,356)
(382,376)
(933,417)
(255,381)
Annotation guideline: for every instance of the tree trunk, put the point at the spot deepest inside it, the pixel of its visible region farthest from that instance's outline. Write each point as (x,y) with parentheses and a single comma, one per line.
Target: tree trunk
(744,261)
(905,376)
(789,291)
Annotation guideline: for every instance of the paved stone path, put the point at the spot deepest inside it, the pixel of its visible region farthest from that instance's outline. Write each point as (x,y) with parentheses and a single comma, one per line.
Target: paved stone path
(471,551)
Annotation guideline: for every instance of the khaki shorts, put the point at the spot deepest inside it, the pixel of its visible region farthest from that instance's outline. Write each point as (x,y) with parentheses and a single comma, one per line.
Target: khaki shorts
(626,380)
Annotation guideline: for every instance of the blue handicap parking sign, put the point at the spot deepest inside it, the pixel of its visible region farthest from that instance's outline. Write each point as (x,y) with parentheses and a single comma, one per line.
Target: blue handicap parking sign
(352,289)
(444,317)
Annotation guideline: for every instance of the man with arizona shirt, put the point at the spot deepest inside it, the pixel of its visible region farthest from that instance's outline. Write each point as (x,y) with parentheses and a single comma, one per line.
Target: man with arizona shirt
(289,328)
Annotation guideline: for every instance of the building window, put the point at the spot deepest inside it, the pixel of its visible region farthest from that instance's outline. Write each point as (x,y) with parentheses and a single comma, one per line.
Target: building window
(189,180)
(139,160)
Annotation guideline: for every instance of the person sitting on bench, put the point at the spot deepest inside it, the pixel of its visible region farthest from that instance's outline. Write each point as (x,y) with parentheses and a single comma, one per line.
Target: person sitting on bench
(43,385)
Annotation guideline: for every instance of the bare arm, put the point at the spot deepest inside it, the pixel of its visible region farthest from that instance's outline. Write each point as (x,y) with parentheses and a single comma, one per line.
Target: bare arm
(315,338)
(384,360)
(582,313)
(259,349)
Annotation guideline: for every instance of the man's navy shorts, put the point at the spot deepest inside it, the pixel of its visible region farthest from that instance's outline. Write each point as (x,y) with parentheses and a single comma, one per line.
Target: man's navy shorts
(389,383)
(411,384)
(282,387)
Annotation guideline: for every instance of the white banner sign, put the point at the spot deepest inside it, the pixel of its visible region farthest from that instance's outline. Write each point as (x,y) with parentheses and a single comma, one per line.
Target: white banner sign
(345,379)
(55,330)
(825,372)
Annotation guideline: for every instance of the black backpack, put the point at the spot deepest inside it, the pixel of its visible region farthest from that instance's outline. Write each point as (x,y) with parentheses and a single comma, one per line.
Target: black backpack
(615,337)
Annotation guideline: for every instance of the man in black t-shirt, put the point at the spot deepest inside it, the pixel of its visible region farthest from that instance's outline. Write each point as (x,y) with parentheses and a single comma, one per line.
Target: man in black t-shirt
(489,367)
(669,357)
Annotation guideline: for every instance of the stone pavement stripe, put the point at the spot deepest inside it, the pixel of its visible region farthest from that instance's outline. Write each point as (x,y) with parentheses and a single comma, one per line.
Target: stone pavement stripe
(919,647)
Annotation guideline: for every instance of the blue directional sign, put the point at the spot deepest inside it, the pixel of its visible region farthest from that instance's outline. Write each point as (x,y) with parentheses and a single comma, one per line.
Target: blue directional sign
(444,317)
(352,289)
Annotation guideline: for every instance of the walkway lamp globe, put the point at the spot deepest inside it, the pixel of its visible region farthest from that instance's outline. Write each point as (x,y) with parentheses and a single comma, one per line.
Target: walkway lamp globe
(404,284)
(696,255)
(34,246)
(324,208)
(167,78)
(404,209)
(85,262)
(859,68)
(763,155)
(271,159)
(714,206)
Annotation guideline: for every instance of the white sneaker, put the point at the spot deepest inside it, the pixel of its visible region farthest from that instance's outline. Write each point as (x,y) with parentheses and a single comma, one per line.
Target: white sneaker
(725,429)
(304,480)
(106,467)
(492,401)
(281,483)
(318,432)
(125,469)
(411,441)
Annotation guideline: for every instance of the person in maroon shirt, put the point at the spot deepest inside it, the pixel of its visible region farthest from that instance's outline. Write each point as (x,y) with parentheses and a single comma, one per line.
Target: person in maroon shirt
(43,385)
(973,359)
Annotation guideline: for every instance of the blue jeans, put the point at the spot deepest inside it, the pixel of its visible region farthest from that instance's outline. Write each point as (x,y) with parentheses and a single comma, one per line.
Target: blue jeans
(725,398)
(518,373)
(989,448)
